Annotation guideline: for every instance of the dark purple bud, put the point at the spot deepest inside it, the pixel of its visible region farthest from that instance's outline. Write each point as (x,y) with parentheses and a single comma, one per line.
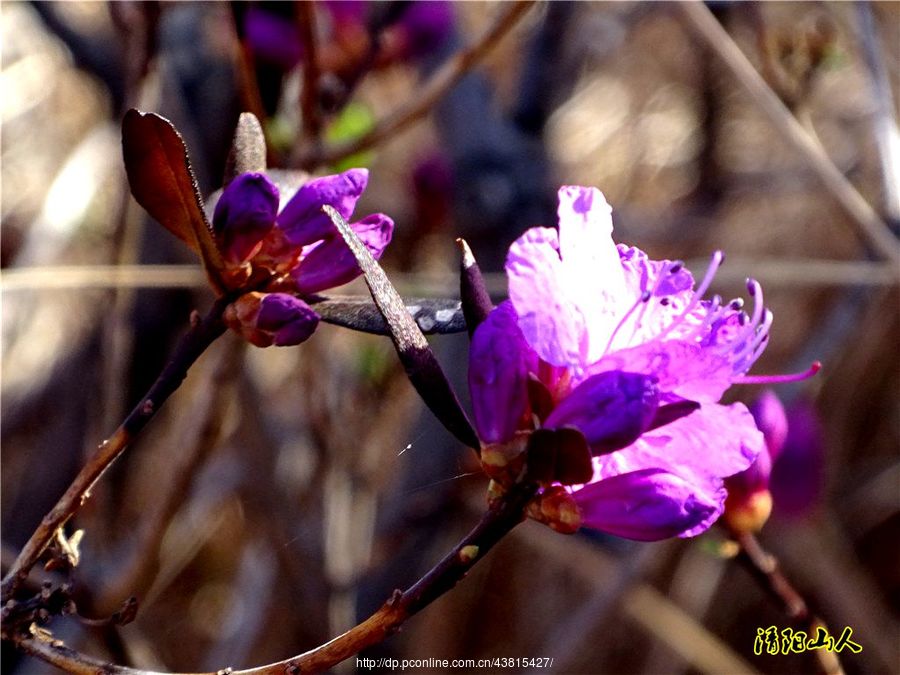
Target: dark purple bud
(770,417)
(666,414)
(244,215)
(798,474)
(289,320)
(612,409)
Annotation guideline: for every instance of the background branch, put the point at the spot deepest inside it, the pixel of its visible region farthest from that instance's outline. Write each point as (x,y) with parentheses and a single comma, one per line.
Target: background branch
(717,39)
(430,93)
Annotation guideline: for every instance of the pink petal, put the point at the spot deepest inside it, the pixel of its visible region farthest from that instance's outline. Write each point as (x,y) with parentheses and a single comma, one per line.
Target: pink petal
(553,325)
(594,280)
(670,292)
(649,505)
(715,441)
(611,409)
(684,368)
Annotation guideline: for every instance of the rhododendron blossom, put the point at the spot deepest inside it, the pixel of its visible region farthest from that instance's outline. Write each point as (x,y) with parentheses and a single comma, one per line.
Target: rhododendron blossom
(297,244)
(625,349)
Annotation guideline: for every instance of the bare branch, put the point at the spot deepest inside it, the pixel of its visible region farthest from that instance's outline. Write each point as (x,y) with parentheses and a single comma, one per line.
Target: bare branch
(309,96)
(717,39)
(193,344)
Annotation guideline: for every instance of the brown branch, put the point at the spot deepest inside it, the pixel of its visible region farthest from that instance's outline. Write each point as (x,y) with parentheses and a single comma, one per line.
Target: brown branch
(429,94)
(192,345)
(496,523)
(206,421)
(309,96)
(766,569)
(719,41)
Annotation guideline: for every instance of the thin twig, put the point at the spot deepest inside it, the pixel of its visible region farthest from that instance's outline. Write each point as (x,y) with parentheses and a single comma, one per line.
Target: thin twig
(192,345)
(496,523)
(875,229)
(887,137)
(765,568)
(206,421)
(429,94)
(309,96)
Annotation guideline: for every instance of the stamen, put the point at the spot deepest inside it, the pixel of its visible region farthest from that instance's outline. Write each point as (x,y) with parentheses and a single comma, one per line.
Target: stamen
(776,379)
(736,304)
(755,290)
(761,335)
(677,265)
(643,300)
(713,312)
(714,264)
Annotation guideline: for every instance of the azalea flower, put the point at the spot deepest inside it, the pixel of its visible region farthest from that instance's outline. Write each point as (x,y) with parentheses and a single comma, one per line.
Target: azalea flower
(625,349)
(297,244)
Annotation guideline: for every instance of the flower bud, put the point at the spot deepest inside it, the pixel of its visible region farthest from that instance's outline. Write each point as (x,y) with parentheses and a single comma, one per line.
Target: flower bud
(749,501)
(748,513)
(266,319)
(244,215)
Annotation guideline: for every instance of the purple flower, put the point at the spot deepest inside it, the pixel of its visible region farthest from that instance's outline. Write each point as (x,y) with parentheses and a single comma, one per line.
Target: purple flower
(422,29)
(623,348)
(298,242)
(749,502)
(272,37)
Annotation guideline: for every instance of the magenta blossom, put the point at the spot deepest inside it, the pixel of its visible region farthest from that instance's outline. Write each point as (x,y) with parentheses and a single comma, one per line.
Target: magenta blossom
(623,348)
(298,243)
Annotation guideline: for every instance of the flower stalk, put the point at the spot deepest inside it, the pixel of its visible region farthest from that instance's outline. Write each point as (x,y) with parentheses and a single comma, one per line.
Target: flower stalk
(201,335)
(501,517)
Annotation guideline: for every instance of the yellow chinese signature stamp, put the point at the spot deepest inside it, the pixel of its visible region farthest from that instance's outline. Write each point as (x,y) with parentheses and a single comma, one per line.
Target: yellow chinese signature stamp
(789,641)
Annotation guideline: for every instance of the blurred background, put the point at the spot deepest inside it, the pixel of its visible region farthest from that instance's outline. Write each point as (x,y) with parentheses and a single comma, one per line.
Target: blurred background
(282,494)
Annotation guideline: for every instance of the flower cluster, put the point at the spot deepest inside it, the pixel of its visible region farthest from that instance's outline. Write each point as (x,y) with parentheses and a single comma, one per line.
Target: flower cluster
(413,31)
(601,339)
(297,245)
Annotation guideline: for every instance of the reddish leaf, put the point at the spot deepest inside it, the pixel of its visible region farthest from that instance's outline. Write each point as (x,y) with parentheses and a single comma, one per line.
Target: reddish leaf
(161,180)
